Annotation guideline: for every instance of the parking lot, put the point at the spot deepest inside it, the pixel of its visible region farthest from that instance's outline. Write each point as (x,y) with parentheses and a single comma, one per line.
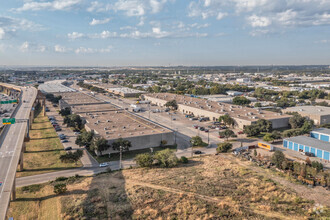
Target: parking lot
(70,136)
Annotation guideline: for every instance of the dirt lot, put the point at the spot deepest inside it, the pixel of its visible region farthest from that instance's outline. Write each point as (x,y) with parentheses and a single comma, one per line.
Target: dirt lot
(205,188)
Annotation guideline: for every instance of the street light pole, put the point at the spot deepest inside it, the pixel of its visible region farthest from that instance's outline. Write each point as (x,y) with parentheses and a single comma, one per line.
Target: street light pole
(120,157)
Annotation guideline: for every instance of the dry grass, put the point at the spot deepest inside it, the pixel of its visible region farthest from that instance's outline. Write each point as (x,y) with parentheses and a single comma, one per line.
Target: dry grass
(205,188)
(43,150)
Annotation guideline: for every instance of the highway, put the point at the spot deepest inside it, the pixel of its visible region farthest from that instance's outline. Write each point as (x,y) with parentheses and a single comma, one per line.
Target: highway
(11,146)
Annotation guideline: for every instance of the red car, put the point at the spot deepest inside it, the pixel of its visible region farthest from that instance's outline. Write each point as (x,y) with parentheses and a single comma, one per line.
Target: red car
(206,130)
(240,132)
(196,126)
(221,136)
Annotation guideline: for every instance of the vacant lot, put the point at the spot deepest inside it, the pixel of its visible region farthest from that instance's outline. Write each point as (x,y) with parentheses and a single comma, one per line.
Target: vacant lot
(206,188)
(43,150)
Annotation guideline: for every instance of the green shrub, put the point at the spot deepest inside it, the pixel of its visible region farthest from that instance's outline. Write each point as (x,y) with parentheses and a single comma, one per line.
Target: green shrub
(166,158)
(144,160)
(224,147)
(60,188)
(184,159)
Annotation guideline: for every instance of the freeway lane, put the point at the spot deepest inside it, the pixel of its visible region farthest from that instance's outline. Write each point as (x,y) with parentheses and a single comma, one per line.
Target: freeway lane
(10,149)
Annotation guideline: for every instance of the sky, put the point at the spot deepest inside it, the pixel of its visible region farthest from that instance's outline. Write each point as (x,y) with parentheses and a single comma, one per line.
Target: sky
(164,32)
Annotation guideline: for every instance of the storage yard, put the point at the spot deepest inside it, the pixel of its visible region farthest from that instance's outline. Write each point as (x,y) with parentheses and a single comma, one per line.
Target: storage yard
(204,108)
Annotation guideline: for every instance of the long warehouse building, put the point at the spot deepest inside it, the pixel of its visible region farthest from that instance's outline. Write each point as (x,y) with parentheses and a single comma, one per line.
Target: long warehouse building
(205,108)
(320,149)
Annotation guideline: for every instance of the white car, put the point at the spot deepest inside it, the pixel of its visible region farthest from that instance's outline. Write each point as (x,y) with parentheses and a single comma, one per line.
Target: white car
(104,164)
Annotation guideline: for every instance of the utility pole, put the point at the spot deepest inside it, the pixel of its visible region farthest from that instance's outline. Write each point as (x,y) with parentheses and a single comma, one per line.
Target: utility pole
(120,157)
(208,138)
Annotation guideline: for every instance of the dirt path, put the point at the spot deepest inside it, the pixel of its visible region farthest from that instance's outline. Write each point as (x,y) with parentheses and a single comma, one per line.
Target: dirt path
(318,194)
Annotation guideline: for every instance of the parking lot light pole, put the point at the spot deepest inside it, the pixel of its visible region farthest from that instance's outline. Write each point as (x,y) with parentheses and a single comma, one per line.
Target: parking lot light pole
(120,156)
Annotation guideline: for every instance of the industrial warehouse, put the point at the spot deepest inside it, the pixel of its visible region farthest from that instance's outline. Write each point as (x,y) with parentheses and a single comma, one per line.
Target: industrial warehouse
(204,108)
(113,123)
(318,143)
(319,114)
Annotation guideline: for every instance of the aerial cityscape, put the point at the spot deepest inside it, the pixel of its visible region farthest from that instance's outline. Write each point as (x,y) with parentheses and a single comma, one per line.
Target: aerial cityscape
(164,109)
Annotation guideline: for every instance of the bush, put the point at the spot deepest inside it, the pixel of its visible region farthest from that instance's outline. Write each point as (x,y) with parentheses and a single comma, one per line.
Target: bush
(278,158)
(144,160)
(317,165)
(224,147)
(184,159)
(166,158)
(61,178)
(196,141)
(60,188)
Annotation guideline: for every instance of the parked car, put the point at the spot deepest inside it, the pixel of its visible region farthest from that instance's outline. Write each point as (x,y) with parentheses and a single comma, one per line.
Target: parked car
(196,126)
(201,128)
(198,152)
(77,133)
(68,148)
(58,129)
(221,136)
(54,105)
(193,119)
(62,137)
(240,132)
(206,130)
(104,164)
(64,141)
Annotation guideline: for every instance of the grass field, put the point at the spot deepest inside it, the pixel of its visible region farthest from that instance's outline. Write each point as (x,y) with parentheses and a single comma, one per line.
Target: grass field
(207,187)
(128,154)
(43,150)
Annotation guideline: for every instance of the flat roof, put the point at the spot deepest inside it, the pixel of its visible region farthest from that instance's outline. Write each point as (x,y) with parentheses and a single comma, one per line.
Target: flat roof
(121,124)
(322,131)
(74,98)
(312,110)
(93,108)
(54,87)
(311,142)
(235,111)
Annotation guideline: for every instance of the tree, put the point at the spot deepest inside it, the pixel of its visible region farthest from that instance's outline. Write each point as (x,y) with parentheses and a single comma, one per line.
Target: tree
(303,170)
(297,121)
(317,165)
(276,135)
(241,100)
(166,158)
(224,147)
(251,130)
(227,120)
(74,121)
(307,126)
(66,111)
(277,158)
(144,160)
(255,152)
(264,125)
(172,104)
(196,141)
(125,144)
(292,132)
(71,157)
(85,138)
(184,159)
(268,137)
(227,133)
(99,144)
(60,188)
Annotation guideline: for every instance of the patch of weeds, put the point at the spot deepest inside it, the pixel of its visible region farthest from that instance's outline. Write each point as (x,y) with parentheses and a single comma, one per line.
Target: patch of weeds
(32,188)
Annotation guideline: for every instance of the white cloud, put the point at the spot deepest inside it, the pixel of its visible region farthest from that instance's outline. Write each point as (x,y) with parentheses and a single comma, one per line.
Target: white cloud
(84,50)
(2,33)
(75,35)
(32,47)
(49,5)
(102,21)
(256,21)
(221,15)
(61,49)
(104,35)
(266,16)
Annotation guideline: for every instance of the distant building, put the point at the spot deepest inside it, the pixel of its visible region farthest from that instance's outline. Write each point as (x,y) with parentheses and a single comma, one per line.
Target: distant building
(243,80)
(234,93)
(203,108)
(319,114)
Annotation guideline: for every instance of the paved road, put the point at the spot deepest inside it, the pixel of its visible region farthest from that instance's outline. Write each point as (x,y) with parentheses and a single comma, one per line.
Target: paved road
(11,146)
